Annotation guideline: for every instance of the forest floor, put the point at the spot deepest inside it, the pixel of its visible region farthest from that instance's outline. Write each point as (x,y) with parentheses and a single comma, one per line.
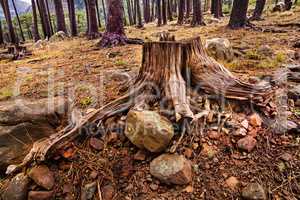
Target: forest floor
(78,69)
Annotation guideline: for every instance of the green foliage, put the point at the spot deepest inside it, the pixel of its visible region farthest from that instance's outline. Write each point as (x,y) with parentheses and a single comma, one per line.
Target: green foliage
(253,54)
(280,57)
(6,93)
(86,101)
(120,63)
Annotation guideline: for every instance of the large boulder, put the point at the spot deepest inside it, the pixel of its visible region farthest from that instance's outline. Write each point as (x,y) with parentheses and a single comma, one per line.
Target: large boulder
(171,169)
(220,49)
(23,122)
(148,130)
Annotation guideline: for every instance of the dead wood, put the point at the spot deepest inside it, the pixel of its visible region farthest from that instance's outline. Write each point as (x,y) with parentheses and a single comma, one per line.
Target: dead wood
(169,70)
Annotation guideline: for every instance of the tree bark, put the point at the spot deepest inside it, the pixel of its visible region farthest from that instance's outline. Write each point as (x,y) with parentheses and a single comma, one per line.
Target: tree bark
(1,34)
(164,12)
(238,17)
(18,19)
(159,14)
(139,14)
(44,18)
(218,9)
(197,14)
(92,17)
(60,17)
(49,15)
(170,12)
(104,11)
(153,6)
(181,9)
(288,4)
(188,9)
(129,11)
(6,10)
(35,29)
(98,13)
(72,17)
(259,7)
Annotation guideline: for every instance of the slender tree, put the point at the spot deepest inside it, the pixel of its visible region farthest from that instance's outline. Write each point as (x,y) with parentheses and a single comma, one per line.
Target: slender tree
(288,4)
(1,34)
(129,12)
(259,7)
(44,18)
(92,19)
(217,10)
(197,14)
(146,6)
(188,9)
(104,10)
(181,9)
(170,12)
(139,14)
(115,33)
(98,13)
(153,6)
(49,14)
(18,19)
(238,17)
(72,17)
(35,29)
(164,12)
(158,4)
(60,17)
(6,10)
(87,16)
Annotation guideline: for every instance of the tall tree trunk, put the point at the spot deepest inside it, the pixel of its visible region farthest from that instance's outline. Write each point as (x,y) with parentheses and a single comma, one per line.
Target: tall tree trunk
(181,9)
(60,17)
(18,19)
(1,34)
(238,17)
(35,29)
(164,12)
(114,34)
(133,4)
(146,4)
(212,6)
(170,12)
(197,14)
(93,24)
(139,14)
(98,13)
(259,8)
(158,4)
(188,9)
(44,18)
(153,6)
(217,9)
(87,16)
(6,10)
(49,14)
(72,17)
(288,4)
(29,31)
(104,10)
(129,11)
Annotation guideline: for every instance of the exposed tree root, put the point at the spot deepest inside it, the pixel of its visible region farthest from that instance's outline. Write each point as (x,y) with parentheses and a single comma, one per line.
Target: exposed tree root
(169,70)
(112,40)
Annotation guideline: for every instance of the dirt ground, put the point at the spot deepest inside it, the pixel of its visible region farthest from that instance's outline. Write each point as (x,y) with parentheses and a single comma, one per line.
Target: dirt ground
(79,70)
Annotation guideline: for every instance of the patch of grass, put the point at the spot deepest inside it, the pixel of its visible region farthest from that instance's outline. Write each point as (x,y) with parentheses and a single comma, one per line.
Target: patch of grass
(269,63)
(280,57)
(86,101)
(6,93)
(120,63)
(253,55)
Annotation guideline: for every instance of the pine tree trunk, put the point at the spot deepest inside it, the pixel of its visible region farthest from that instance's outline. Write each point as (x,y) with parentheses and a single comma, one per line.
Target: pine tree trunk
(98,13)
(104,11)
(60,17)
(129,11)
(87,16)
(288,4)
(153,10)
(170,12)
(93,24)
(114,34)
(197,14)
(259,7)
(18,19)
(72,17)
(188,9)
(35,29)
(6,10)
(159,14)
(238,17)
(181,9)
(134,11)
(49,15)
(1,34)
(139,14)
(218,9)
(164,12)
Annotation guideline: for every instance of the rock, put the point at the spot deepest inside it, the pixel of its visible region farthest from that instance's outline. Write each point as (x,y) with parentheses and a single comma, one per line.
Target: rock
(40,195)
(213,20)
(254,191)
(88,191)
(120,76)
(28,121)
(108,192)
(96,144)
(58,36)
(255,120)
(40,44)
(265,50)
(220,49)
(149,130)
(279,7)
(171,169)
(247,143)
(214,135)
(232,182)
(16,188)
(140,155)
(42,176)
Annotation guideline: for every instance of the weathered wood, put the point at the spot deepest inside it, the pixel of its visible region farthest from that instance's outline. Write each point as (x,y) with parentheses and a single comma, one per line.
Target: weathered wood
(169,69)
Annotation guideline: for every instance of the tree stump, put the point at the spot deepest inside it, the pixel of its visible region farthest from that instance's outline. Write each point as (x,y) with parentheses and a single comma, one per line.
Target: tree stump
(169,70)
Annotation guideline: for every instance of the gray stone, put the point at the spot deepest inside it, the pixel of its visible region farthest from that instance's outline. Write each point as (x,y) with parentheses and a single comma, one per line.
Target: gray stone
(172,169)
(148,130)
(58,36)
(24,122)
(88,191)
(220,49)
(254,191)
(16,188)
